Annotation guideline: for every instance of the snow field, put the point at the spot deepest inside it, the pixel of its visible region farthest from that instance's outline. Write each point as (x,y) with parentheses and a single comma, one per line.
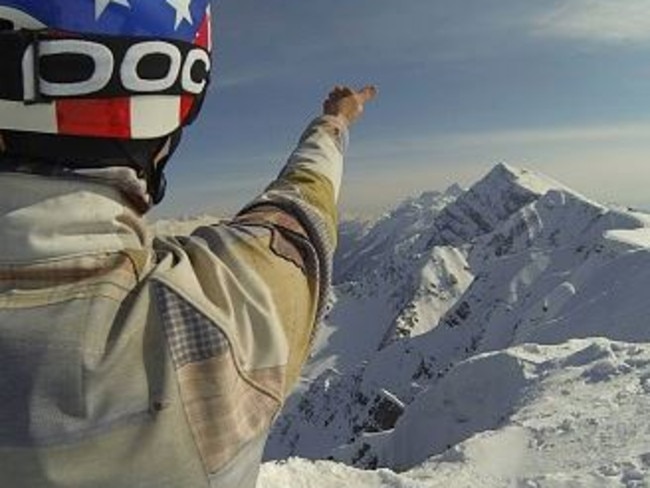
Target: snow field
(569,415)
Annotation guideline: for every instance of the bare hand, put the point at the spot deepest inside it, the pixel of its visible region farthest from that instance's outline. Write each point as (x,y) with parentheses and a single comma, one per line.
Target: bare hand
(347,103)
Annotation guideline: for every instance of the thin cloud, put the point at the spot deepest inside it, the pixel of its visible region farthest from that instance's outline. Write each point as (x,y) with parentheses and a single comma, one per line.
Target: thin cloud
(485,142)
(591,134)
(604,21)
(244,77)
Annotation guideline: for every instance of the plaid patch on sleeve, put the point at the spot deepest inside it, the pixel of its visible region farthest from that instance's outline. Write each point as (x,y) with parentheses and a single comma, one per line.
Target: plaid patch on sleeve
(192,337)
(225,408)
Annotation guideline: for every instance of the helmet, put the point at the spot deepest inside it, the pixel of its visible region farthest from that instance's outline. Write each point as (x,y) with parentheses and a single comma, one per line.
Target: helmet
(125,70)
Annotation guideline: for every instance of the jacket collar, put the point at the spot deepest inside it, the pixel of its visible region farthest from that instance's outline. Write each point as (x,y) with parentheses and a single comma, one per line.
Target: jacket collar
(45,218)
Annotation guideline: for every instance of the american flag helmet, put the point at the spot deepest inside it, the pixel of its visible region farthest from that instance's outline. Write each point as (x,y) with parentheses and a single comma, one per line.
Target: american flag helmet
(120,69)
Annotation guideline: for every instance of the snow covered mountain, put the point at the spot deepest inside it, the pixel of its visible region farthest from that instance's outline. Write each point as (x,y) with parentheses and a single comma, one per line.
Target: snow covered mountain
(498,336)
(492,337)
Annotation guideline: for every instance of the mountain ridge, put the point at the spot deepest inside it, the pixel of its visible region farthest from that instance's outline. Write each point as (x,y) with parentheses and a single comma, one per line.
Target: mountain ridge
(532,261)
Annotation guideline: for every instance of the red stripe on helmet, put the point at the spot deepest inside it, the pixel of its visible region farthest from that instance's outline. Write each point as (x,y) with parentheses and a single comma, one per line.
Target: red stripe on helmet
(203,35)
(95,117)
(187,103)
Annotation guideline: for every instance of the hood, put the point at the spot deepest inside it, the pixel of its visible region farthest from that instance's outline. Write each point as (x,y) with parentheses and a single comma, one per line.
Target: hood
(44,218)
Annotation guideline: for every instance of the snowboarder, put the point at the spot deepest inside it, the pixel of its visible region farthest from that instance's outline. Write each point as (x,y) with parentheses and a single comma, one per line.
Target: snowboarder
(127,361)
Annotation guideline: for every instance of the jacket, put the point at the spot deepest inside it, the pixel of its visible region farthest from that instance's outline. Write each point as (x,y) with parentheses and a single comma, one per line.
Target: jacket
(133,361)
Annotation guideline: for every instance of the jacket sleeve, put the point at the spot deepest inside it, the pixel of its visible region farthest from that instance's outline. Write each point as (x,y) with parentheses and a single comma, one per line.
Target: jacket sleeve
(307,192)
(299,212)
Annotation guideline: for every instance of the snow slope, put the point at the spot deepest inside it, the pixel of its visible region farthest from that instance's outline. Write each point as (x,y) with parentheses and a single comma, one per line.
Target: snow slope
(571,415)
(532,371)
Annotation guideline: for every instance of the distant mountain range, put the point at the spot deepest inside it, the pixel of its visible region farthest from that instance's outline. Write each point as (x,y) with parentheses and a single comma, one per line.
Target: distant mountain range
(496,336)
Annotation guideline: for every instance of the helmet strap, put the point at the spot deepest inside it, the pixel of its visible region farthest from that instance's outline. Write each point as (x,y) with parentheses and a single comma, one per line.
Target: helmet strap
(152,165)
(156,180)
(49,153)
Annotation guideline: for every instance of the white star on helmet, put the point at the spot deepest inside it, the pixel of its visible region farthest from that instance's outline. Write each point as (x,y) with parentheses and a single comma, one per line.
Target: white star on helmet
(100,6)
(182,8)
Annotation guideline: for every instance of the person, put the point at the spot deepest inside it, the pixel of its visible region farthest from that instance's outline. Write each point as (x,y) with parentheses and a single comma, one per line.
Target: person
(128,360)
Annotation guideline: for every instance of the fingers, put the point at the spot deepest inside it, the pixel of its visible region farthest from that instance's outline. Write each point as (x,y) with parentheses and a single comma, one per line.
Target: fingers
(339,92)
(348,103)
(367,93)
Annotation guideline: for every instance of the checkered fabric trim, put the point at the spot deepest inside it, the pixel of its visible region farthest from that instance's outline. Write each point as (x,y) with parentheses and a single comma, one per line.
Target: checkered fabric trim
(192,337)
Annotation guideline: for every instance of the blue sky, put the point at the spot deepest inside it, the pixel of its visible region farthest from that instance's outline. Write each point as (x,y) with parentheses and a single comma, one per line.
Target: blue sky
(560,87)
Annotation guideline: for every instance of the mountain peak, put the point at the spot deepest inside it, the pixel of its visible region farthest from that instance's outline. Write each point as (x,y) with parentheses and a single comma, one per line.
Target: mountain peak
(505,174)
(498,195)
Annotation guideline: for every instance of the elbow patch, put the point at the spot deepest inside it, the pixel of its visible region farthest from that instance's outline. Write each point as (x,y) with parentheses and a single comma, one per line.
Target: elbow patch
(288,236)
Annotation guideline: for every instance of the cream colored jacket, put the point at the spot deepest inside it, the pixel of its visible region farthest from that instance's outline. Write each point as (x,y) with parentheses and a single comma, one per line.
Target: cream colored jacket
(130,362)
